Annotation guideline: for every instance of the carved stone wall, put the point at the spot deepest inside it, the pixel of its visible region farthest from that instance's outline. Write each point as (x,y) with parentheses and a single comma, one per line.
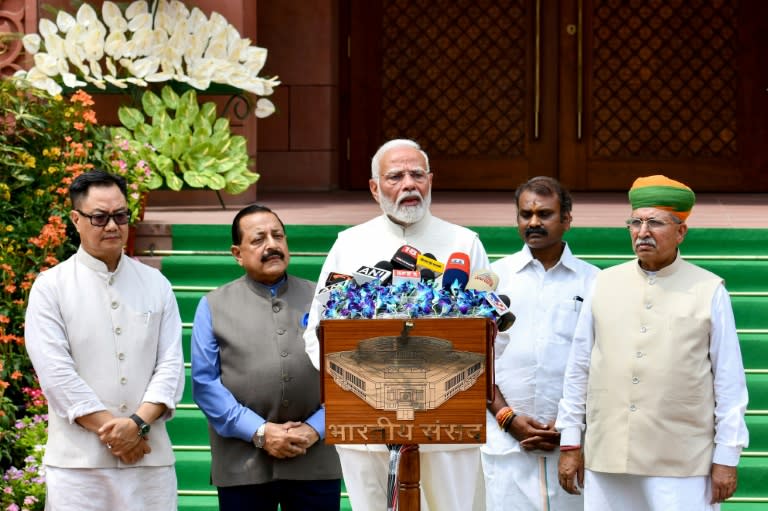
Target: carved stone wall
(16,17)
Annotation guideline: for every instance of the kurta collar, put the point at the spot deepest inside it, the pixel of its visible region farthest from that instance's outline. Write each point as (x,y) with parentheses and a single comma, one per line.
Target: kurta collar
(266,291)
(413,230)
(664,272)
(97,265)
(567,259)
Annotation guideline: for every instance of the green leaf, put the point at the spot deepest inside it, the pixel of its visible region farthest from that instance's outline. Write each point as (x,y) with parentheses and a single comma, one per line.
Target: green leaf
(208,112)
(202,126)
(175,146)
(154,182)
(170,98)
(236,185)
(143,133)
(188,107)
(174,182)
(121,132)
(151,103)
(221,126)
(129,117)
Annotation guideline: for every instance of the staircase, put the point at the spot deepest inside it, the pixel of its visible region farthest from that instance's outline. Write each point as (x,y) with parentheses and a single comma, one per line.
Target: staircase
(200,261)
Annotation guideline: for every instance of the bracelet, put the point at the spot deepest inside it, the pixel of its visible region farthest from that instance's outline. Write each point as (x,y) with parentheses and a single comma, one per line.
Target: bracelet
(504,417)
(564,448)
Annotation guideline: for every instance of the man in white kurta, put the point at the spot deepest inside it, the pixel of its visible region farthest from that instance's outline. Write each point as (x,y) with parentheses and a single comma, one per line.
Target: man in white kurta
(655,380)
(104,335)
(451,476)
(546,285)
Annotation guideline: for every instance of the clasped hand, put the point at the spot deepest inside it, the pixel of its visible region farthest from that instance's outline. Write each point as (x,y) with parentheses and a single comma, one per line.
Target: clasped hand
(533,434)
(119,435)
(289,439)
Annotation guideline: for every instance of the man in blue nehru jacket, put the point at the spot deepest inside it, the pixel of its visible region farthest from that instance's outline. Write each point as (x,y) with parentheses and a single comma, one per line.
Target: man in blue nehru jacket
(254,381)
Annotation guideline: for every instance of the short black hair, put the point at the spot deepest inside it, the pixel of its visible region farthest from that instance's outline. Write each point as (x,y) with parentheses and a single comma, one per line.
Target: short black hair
(78,190)
(237,233)
(546,186)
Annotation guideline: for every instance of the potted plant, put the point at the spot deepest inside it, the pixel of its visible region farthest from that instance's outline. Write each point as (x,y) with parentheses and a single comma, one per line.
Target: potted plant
(139,50)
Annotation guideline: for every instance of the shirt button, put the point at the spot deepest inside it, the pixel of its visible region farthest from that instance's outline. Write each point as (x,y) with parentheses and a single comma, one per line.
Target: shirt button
(280,331)
(123,380)
(118,330)
(285,403)
(121,356)
(286,377)
(635,380)
(643,329)
(123,407)
(275,308)
(639,354)
(648,305)
(111,280)
(283,353)
(651,281)
(115,305)
(632,408)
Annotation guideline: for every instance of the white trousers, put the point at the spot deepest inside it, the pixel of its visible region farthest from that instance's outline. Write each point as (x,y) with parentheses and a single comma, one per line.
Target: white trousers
(450,480)
(625,492)
(523,481)
(100,489)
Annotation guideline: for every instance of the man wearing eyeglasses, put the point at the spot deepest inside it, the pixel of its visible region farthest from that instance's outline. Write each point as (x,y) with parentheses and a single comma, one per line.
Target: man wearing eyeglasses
(656,371)
(104,335)
(401,182)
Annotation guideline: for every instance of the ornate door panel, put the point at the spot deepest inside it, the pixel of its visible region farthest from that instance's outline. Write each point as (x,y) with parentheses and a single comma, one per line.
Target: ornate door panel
(594,92)
(667,86)
(459,77)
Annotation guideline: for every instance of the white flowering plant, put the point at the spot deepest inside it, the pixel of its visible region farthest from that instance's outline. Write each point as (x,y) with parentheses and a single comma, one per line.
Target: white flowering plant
(160,52)
(147,43)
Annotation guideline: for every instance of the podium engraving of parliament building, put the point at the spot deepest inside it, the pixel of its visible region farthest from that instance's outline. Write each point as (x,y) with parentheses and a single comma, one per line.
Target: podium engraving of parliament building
(405,381)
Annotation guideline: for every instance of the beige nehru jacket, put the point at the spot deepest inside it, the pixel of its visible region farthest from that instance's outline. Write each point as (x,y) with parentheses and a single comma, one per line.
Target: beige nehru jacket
(650,398)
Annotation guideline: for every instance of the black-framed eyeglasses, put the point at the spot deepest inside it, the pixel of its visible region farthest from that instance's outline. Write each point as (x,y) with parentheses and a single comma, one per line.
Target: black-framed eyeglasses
(102,219)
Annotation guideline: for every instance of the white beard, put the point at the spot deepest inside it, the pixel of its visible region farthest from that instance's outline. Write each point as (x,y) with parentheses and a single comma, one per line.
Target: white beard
(406,215)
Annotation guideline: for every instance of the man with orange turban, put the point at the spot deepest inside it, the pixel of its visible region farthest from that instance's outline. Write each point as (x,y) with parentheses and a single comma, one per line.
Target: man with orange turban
(657,365)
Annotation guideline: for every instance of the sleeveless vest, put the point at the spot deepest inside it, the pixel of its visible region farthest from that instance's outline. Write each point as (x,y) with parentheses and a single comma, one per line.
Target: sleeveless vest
(265,366)
(650,397)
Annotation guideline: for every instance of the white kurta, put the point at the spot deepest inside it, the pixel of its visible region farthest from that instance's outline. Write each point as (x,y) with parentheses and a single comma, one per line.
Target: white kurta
(531,359)
(731,434)
(103,340)
(364,466)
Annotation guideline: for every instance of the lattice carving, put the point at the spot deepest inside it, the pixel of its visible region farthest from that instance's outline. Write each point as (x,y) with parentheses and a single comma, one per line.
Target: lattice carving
(454,75)
(664,79)
(16,17)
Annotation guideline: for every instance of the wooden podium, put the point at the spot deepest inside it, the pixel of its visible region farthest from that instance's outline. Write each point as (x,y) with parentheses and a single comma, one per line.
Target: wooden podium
(406,382)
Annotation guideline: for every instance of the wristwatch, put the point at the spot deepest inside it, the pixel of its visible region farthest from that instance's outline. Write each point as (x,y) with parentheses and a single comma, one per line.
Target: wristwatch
(258,440)
(143,426)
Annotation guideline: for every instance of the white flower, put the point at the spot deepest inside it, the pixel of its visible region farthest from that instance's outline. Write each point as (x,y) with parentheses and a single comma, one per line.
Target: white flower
(86,16)
(71,81)
(115,45)
(47,64)
(136,8)
(41,81)
(113,17)
(264,108)
(65,21)
(31,43)
(47,27)
(142,21)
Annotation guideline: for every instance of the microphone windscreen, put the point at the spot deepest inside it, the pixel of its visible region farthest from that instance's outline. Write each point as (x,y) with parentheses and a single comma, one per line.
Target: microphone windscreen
(385,265)
(483,280)
(506,320)
(456,270)
(405,258)
(428,262)
(427,275)
(335,278)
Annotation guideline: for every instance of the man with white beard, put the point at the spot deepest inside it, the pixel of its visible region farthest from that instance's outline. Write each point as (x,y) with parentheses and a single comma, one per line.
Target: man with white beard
(401,182)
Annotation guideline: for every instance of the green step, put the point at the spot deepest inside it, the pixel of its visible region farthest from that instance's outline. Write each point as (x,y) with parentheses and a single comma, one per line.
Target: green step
(757,384)
(754,349)
(193,470)
(753,478)
(758,433)
(198,503)
(189,427)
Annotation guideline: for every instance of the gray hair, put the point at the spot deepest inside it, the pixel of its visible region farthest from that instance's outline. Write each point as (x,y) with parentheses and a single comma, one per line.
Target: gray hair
(398,142)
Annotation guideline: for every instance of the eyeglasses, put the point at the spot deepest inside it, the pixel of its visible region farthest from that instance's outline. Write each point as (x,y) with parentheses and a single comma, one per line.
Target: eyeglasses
(654,224)
(102,219)
(396,176)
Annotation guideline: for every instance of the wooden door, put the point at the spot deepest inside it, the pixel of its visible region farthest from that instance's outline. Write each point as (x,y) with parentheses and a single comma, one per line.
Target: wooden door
(594,92)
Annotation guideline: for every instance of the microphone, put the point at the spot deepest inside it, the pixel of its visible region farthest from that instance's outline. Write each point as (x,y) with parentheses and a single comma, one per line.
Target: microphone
(370,273)
(405,258)
(456,270)
(400,276)
(427,275)
(427,261)
(506,320)
(483,280)
(335,278)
